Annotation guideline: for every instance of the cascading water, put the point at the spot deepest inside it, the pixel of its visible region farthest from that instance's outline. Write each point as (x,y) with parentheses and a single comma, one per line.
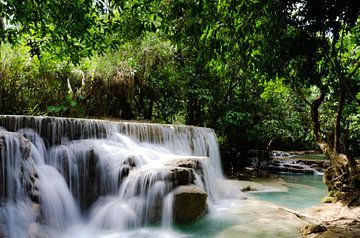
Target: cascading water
(108,177)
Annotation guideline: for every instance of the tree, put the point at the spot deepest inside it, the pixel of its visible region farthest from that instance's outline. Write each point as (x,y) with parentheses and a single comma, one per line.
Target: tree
(311,44)
(69,29)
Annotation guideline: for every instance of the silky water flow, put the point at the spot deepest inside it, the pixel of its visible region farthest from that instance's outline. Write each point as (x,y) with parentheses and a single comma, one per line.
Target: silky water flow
(91,178)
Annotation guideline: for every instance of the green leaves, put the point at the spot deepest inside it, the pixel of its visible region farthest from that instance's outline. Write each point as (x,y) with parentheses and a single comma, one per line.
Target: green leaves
(272,87)
(71,29)
(237,66)
(69,107)
(57,110)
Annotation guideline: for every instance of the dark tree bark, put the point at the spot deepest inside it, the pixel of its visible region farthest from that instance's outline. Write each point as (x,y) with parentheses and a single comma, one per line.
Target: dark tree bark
(2,24)
(342,178)
(315,105)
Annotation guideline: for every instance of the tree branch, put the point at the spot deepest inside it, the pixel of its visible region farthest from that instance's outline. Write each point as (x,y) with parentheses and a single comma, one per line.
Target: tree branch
(336,146)
(316,122)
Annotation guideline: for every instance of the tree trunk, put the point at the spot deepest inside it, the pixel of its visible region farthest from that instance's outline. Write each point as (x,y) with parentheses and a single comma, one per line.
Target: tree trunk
(342,178)
(2,24)
(193,111)
(337,133)
(316,123)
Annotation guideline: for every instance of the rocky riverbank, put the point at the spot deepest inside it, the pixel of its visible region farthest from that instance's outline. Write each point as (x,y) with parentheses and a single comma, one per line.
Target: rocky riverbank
(298,165)
(262,163)
(332,220)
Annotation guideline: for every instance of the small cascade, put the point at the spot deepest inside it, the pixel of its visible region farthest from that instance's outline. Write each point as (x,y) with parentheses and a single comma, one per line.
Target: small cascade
(58,205)
(12,152)
(167,214)
(110,176)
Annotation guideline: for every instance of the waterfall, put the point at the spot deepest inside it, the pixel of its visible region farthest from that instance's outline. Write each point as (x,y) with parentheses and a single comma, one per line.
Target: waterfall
(61,173)
(167,211)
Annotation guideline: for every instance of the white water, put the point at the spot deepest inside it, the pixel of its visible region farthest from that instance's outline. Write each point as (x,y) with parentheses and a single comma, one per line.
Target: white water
(104,185)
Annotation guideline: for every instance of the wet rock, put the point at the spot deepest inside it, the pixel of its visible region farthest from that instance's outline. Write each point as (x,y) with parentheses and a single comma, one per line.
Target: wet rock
(15,166)
(143,179)
(128,165)
(180,176)
(193,162)
(35,231)
(2,231)
(312,228)
(154,212)
(297,166)
(189,204)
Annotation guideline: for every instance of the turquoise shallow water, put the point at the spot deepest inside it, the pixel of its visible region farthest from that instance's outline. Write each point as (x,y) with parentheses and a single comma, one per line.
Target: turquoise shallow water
(241,218)
(303,191)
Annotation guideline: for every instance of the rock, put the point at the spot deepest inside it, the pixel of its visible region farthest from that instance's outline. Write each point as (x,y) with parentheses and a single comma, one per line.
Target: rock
(196,163)
(339,221)
(35,231)
(144,178)
(36,208)
(193,162)
(20,170)
(154,183)
(327,200)
(180,176)
(312,228)
(295,166)
(2,231)
(189,204)
(154,211)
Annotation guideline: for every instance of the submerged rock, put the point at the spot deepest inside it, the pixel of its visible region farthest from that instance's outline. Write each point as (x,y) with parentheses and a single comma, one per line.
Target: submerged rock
(189,203)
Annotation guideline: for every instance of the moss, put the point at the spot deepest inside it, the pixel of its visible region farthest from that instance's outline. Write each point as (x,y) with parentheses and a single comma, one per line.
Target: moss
(327,200)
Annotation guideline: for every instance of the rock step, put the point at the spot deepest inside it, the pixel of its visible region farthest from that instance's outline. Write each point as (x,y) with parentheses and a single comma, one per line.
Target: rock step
(189,204)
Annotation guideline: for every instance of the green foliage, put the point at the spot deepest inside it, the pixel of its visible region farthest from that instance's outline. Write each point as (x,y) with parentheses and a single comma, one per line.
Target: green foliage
(70,107)
(249,69)
(274,87)
(71,30)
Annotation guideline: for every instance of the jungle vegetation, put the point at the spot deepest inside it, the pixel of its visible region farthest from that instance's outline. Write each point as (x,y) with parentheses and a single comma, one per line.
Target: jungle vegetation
(263,74)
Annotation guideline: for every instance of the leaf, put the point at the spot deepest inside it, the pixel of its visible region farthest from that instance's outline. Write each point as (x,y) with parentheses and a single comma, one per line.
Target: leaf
(73,103)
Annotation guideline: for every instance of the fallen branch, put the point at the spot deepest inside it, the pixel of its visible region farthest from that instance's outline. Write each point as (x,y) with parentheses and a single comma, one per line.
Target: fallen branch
(302,216)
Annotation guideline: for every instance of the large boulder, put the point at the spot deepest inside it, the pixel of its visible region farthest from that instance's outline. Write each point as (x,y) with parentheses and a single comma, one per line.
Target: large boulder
(153,183)
(189,204)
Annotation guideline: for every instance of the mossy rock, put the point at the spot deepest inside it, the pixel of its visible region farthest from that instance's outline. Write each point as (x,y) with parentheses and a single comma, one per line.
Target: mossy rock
(327,200)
